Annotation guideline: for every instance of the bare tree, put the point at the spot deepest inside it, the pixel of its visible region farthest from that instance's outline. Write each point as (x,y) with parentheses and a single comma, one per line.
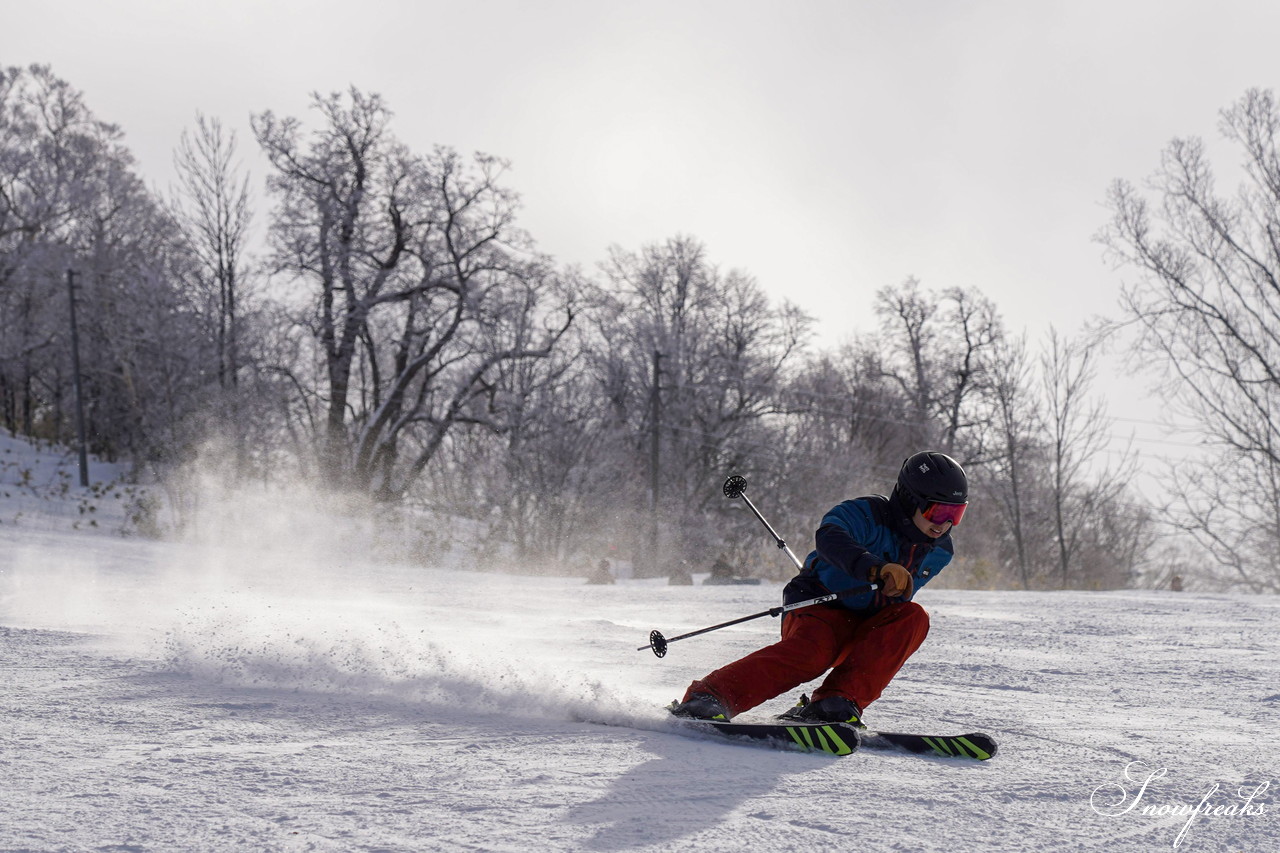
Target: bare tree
(1082,485)
(844,432)
(1207,304)
(936,349)
(50,149)
(214,207)
(69,199)
(341,226)
(723,349)
(422,286)
(1016,426)
(908,316)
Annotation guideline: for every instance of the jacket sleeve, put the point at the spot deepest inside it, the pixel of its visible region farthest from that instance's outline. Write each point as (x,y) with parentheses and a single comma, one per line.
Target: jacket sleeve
(840,541)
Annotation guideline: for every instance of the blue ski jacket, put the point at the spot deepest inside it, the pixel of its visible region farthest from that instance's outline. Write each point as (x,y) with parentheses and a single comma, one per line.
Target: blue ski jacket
(860,535)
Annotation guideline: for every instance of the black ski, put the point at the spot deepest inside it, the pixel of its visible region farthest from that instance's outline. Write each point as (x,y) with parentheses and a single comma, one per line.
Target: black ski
(973,745)
(843,738)
(832,738)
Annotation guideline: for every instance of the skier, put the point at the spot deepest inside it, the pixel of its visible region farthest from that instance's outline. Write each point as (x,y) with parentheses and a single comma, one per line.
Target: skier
(602,574)
(900,542)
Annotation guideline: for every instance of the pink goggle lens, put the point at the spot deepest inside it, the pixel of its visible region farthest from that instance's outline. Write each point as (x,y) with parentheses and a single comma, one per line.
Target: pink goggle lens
(940,513)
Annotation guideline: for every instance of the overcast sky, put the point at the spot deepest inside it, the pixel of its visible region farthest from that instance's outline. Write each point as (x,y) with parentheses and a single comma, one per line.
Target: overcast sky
(828,148)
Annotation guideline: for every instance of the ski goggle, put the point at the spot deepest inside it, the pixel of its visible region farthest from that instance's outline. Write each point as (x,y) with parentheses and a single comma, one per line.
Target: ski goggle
(940,513)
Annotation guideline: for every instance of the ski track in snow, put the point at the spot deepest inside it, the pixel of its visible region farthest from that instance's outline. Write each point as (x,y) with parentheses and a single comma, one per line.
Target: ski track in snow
(162,696)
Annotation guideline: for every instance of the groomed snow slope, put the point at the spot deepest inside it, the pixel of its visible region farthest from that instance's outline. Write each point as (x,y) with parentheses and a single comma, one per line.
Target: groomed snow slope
(280,690)
(169,697)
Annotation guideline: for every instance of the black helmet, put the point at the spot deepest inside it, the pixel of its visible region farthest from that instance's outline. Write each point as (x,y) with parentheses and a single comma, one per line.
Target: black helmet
(929,476)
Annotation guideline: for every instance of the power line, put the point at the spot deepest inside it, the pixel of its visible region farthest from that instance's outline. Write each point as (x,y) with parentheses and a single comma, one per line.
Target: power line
(783,392)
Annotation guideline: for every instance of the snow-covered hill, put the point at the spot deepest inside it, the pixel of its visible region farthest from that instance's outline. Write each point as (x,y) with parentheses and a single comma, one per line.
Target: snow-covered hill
(290,694)
(40,489)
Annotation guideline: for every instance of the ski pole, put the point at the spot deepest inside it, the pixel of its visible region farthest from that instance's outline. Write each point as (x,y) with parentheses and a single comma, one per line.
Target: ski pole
(736,487)
(658,643)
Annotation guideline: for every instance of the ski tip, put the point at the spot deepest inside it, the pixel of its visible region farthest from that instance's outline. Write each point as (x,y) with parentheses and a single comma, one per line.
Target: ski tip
(986,741)
(975,745)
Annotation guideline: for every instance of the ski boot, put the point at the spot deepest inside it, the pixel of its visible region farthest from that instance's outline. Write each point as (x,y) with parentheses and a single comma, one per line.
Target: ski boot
(700,706)
(829,709)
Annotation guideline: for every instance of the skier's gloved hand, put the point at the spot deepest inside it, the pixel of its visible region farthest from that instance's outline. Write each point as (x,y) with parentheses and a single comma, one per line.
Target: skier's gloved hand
(895,581)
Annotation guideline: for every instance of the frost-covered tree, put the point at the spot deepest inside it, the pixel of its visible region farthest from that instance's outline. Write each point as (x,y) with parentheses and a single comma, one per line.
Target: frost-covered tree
(722,350)
(936,348)
(419,286)
(213,206)
(1082,483)
(1206,300)
(71,200)
(51,148)
(1014,453)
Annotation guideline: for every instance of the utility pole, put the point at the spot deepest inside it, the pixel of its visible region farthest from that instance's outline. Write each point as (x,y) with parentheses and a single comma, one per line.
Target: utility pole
(655,415)
(75,372)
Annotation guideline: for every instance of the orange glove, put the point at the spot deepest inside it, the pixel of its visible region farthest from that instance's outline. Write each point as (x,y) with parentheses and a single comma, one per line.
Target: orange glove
(895,581)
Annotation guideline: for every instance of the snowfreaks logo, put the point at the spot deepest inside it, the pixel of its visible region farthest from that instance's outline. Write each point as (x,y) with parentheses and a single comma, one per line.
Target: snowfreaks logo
(1114,799)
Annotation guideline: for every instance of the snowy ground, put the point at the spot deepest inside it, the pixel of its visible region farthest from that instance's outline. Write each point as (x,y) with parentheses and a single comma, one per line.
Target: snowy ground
(269,695)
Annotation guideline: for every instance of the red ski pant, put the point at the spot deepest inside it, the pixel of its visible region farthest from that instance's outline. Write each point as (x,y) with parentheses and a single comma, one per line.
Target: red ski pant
(863,653)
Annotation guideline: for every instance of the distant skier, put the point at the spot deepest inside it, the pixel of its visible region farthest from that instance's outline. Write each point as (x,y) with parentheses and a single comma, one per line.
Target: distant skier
(602,575)
(722,573)
(900,542)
